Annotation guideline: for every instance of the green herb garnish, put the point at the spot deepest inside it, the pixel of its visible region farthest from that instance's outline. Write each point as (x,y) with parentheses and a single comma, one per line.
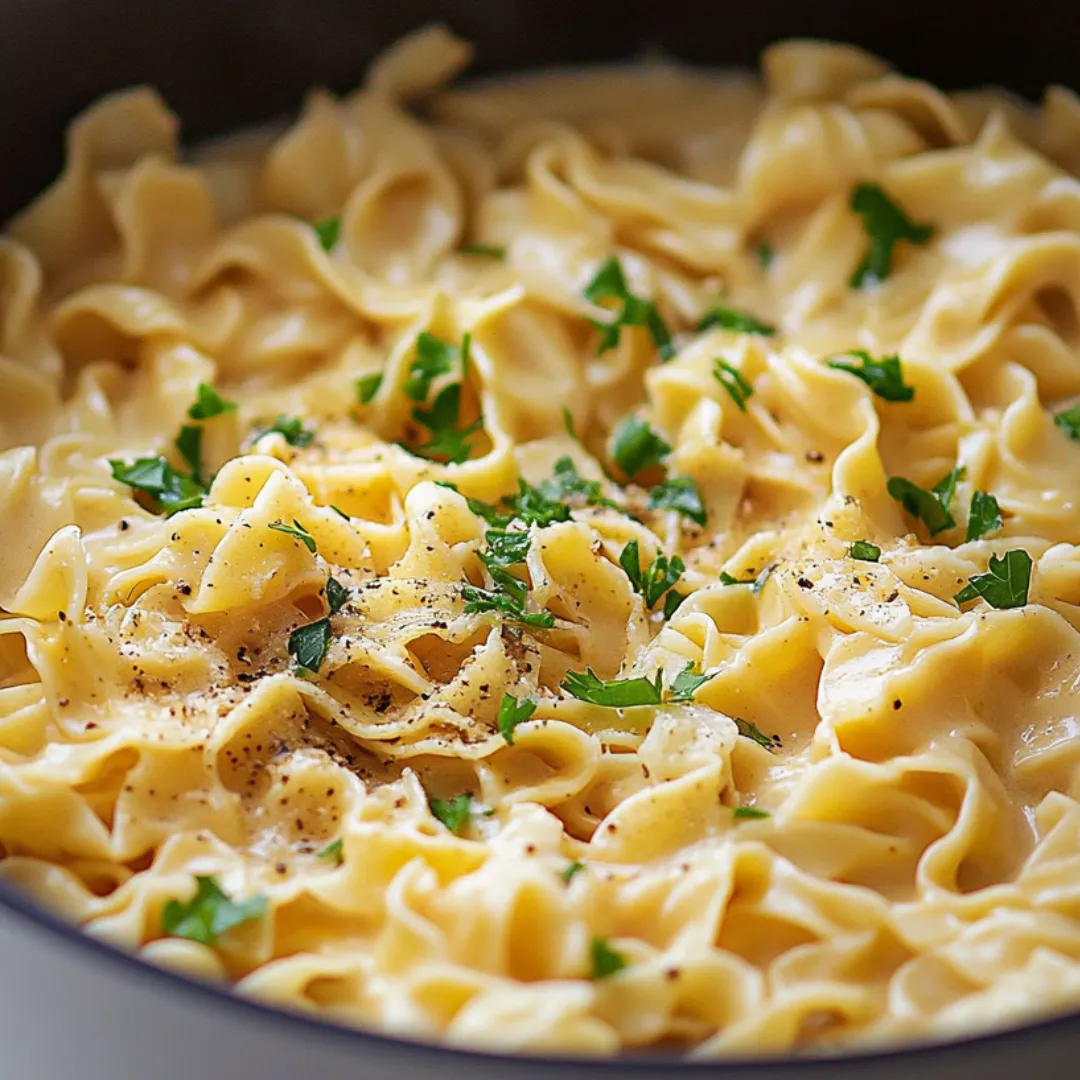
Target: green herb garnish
(511,713)
(679,493)
(864,550)
(1006,583)
(1069,421)
(751,731)
(885,377)
(729,318)
(686,683)
(931,507)
(168,490)
(610,284)
(328,233)
(504,601)
(765,254)
(491,251)
(616,694)
(297,531)
(454,812)
(367,387)
(570,870)
(885,224)
(984,517)
(655,580)
(333,852)
(756,583)
(750,813)
(537,505)
(448,441)
(733,382)
(209,913)
(605,960)
(635,446)
(434,357)
(291,429)
(189,447)
(336,595)
(209,403)
(308,645)
(505,548)
(567,482)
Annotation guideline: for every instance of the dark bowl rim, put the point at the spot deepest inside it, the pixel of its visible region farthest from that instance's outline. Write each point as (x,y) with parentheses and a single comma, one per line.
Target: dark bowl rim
(262,1013)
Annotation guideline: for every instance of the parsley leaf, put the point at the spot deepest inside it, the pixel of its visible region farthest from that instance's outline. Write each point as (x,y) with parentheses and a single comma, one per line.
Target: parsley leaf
(447,441)
(610,284)
(1006,583)
(931,507)
(730,318)
(686,683)
(567,482)
(189,446)
(984,517)
(885,377)
(635,446)
(454,812)
(605,960)
(656,579)
(536,506)
(750,813)
(1069,421)
(434,357)
(295,530)
(506,548)
(751,731)
(492,251)
(505,603)
(337,595)
(367,387)
(209,403)
(209,913)
(885,224)
(168,490)
(332,851)
(765,254)
(570,870)
(291,429)
(679,493)
(733,382)
(756,584)
(568,423)
(511,713)
(328,233)
(616,694)
(308,644)
(863,549)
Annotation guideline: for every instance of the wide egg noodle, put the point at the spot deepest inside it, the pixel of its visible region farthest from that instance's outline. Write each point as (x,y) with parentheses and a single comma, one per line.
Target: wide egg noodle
(916,877)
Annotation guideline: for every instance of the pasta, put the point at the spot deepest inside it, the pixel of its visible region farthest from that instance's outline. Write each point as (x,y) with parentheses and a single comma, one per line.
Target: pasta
(577,562)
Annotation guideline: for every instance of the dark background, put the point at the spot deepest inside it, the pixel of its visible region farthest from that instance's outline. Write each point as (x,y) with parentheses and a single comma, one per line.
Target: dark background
(222,63)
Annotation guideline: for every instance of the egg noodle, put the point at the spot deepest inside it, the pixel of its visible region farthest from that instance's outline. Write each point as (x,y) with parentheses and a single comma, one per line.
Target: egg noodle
(579,562)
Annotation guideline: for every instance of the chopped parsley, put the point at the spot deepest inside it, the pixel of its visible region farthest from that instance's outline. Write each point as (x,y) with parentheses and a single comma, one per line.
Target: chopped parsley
(984,517)
(505,547)
(605,960)
(209,913)
(885,224)
(569,871)
(491,251)
(751,731)
(635,446)
(511,713)
(506,601)
(340,513)
(336,595)
(434,357)
(863,549)
(1069,421)
(686,683)
(885,377)
(333,852)
(308,645)
(729,318)
(765,254)
(931,507)
(750,813)
(1006,583)
(538,505)
(189,447)
(297,531)
(610,284)
(328,233)
(616,694)
(567,482)
(291,429)
(167,490)
(454,812)
(733,382)
(756,584)
(209,403)
(367,387)
(655,580)
(679,493)
(448,441)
